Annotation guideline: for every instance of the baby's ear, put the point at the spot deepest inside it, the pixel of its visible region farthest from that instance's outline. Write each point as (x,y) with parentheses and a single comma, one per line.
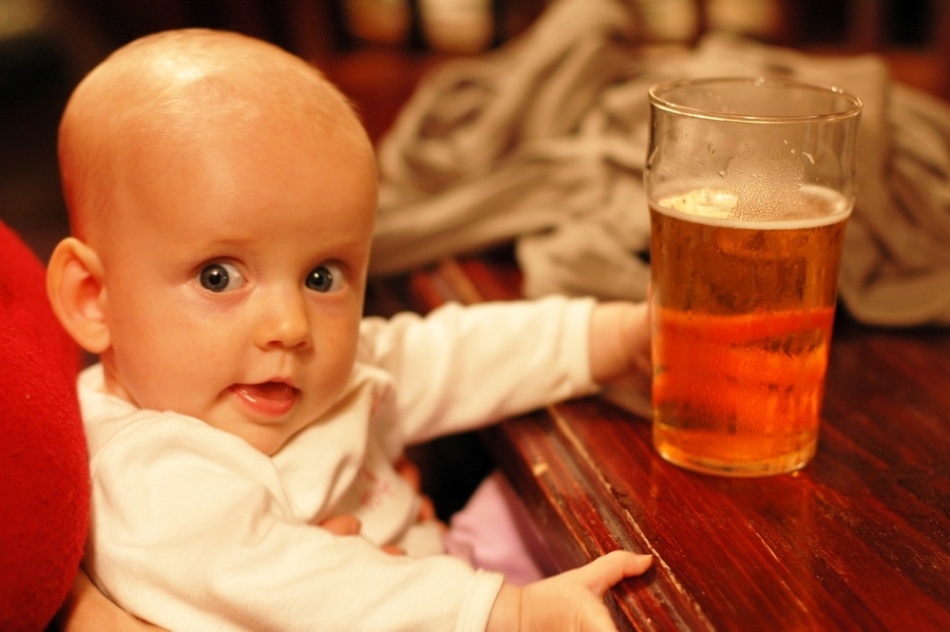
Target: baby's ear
(74,285)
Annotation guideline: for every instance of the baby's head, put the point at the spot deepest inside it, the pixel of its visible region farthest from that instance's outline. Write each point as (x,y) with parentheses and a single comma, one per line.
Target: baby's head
(221,195)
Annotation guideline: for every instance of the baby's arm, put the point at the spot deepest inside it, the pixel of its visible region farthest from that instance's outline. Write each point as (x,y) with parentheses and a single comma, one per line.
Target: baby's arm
(571,601)
(619,348)
(88,610)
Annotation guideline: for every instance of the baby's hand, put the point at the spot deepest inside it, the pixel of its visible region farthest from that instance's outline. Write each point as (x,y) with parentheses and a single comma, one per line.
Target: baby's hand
(572,601)
(348,524)
(409,471)
(619,339)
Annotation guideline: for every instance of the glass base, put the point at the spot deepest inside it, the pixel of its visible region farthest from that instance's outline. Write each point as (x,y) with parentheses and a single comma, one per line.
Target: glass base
(782,464)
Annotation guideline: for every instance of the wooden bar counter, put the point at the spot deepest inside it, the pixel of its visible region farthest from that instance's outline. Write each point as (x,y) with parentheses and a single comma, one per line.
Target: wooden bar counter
(857,540)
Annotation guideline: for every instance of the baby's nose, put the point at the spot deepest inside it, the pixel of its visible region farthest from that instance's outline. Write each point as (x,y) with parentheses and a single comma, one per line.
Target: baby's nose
(284,320)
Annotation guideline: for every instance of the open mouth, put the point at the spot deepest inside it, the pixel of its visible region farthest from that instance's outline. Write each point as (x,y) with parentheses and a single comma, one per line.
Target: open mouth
(271,399)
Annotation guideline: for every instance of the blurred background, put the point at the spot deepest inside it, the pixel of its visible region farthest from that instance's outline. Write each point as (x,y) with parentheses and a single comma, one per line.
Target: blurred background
(376,51)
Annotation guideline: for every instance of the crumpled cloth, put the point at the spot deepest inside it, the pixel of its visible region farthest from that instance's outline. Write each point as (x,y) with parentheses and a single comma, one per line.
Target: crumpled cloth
(543,142)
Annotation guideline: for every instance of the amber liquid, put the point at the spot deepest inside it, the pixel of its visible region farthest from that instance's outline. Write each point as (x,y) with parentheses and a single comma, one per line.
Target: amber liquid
(742,319)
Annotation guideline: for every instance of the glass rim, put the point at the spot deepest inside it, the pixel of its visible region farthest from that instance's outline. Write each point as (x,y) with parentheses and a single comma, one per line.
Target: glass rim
(852,108)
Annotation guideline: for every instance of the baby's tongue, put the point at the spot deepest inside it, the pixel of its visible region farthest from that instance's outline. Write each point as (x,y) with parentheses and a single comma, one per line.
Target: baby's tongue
(270,390)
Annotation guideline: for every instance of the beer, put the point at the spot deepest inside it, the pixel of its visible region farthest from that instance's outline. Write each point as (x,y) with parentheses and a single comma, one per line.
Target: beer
(742,314)
(750,181)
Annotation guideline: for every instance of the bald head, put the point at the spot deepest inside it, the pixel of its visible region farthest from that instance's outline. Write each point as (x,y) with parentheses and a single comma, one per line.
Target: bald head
(177,90)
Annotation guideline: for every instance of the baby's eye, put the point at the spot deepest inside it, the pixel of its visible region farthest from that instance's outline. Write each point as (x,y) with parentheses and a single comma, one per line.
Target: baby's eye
(221,277)
(327,277)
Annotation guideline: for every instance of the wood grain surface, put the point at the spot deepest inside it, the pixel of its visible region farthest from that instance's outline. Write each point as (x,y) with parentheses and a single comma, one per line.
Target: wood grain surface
(857,540)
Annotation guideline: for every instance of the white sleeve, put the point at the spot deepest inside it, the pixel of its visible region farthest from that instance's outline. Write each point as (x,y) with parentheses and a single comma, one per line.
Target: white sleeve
(192,531)
(465,367)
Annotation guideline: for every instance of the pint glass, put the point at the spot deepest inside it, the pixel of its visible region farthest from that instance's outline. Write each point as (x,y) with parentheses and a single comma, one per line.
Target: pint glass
(750,184)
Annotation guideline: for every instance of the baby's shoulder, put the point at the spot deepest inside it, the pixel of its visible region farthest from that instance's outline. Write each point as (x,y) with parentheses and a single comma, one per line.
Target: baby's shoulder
(120,435)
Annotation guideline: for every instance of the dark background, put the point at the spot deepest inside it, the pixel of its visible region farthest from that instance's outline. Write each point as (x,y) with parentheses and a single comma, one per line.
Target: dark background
(46,46)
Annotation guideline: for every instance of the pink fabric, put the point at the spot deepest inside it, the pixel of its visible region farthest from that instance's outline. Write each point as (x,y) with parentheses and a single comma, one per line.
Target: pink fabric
(493,532)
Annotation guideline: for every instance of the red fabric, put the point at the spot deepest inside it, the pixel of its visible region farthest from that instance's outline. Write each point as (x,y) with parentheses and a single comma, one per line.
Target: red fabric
(44,479)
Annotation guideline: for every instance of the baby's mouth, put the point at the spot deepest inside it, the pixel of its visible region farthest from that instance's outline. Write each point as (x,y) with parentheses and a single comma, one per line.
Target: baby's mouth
(271,399)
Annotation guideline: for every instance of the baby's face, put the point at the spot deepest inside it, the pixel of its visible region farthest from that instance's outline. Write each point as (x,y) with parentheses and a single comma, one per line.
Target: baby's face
(234,278)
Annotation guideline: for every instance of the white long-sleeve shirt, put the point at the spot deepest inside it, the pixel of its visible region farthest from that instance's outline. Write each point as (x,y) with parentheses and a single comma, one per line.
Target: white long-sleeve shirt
(194,529)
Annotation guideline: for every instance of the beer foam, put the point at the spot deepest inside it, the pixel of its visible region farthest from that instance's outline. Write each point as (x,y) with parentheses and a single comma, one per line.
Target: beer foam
(814,206)
(703,203)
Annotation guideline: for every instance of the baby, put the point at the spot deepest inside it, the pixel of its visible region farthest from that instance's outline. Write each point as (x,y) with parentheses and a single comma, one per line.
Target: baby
(222,196)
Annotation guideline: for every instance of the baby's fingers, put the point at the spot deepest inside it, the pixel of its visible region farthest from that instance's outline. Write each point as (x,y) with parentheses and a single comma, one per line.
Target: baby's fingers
(609,569)
(346,524)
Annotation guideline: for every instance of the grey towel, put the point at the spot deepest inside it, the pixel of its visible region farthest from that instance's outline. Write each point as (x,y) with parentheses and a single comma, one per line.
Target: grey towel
(543,142)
